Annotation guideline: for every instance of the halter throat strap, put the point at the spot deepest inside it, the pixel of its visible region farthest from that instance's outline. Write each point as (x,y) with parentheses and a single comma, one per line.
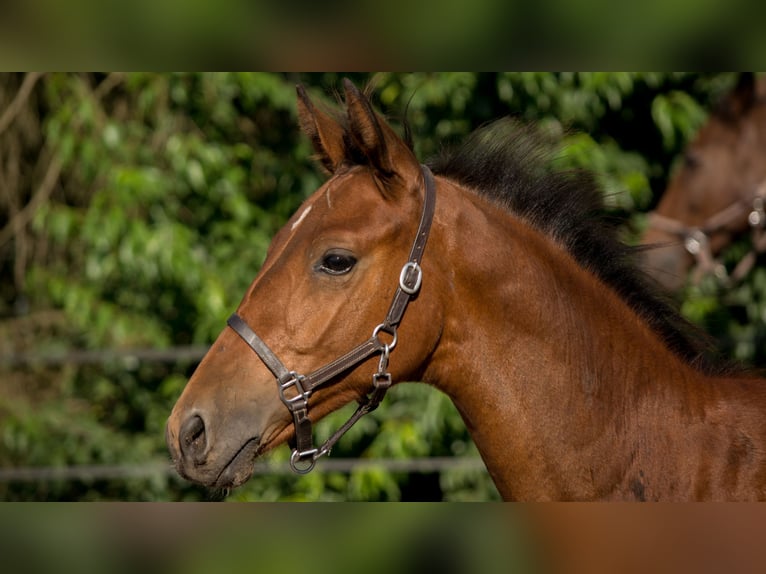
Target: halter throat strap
(295,389)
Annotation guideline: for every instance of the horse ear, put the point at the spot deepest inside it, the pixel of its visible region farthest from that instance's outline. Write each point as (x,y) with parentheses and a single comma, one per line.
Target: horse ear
(388,154)
(742,97)
(325,133)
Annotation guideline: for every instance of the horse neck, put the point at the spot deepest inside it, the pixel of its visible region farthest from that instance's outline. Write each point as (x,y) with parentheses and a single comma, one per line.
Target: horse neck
(549,367)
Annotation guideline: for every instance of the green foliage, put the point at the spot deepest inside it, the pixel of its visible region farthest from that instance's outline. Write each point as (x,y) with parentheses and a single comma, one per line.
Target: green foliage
(171,188)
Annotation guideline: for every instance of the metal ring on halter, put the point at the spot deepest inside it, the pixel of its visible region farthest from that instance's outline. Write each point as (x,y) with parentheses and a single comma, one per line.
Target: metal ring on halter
(296,457)
(695,241)
(382,327)
(756,217)
(403,277)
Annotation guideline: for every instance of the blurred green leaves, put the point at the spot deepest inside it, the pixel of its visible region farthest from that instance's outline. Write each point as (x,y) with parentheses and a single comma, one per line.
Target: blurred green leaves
(678,117)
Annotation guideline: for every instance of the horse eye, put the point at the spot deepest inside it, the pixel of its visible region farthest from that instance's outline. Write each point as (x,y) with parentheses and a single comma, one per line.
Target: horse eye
(337,263)
(692,160)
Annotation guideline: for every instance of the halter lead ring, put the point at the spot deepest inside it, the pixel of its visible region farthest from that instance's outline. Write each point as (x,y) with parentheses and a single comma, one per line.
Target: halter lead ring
(410,280)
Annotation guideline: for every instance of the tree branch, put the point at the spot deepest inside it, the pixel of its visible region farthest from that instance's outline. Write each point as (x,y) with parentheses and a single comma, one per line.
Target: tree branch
(10,113)
(43,192)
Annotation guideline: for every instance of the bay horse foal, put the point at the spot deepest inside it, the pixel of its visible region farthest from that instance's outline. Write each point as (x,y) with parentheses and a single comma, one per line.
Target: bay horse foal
(509,294)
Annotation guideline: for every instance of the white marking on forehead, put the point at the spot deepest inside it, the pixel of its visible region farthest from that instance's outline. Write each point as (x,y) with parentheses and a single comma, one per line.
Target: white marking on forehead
(301,218)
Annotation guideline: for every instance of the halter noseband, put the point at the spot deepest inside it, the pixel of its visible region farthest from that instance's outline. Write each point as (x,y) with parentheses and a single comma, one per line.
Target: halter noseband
(410,280)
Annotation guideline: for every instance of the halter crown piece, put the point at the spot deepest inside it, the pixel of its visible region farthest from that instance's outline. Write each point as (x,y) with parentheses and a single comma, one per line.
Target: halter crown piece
(295,389)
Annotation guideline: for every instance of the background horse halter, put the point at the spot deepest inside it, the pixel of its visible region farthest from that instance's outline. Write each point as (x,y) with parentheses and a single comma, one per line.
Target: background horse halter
(696,239)
(410,279)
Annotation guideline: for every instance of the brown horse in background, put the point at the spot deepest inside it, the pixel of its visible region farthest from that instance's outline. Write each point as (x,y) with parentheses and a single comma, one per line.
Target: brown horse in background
(717,194)
(493,280)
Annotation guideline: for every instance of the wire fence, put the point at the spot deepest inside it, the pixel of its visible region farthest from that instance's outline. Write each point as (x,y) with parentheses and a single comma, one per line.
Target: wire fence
(153,469)
(164,468)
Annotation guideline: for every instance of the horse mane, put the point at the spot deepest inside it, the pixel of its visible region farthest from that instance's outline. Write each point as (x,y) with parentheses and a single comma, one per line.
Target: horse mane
(508,163)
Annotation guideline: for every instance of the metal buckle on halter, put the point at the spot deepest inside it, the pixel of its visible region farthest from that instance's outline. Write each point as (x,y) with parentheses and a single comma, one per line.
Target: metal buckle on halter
(381,381)
(301,399)
(404,284)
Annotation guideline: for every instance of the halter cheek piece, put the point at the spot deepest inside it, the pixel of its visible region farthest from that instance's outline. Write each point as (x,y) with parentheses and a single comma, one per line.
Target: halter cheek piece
(295,389)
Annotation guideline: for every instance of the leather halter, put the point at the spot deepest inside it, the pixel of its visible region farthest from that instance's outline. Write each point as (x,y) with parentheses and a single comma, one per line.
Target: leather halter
(697,238)
(302,386)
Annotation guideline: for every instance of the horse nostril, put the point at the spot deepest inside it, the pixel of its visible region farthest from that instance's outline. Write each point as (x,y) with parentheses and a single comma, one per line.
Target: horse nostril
(193,439)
